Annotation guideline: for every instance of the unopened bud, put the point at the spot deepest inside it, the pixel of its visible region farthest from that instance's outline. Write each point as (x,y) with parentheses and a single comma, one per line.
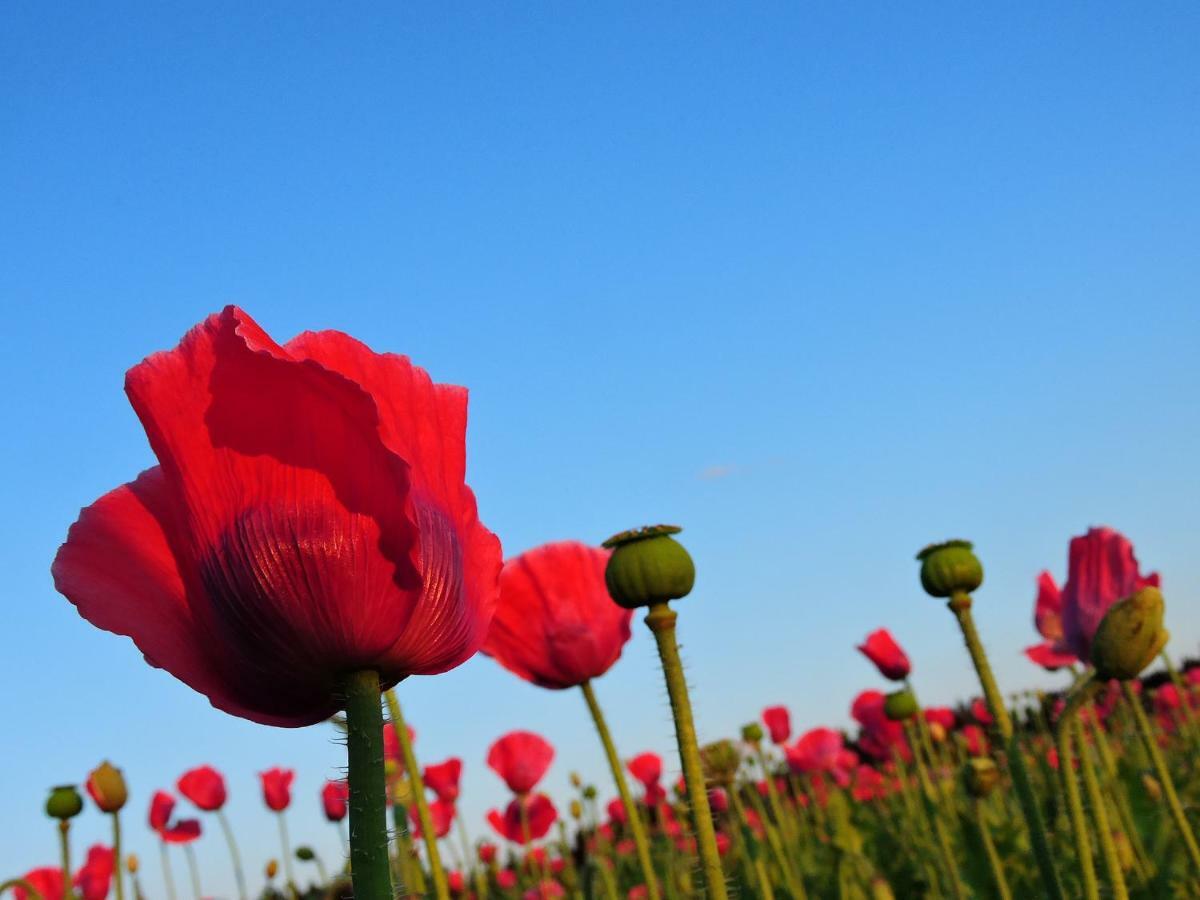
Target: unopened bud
(1124,850)
(1130,635)
(880,889)
(576,780)
(107,787)
(752,733)
(576,810)
(721,761)
(900,705)
(1153,788)
(272,869)
(589,792)
(305,853)
(980,775)
(131,863)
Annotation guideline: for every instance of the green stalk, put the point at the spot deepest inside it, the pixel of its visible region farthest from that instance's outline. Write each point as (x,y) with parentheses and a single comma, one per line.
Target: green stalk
(370,868)
(989,848)
(190,853)
(471,861)
(791,879)
(660,619)
(1063,730)
(287,856)
(440,888)
(236,857)
(64,845)
(1164,775)
(636,828)
(118,861)
(1181,688)
(1108,848)
(960,605)
(932,814)
(773,796)
(1120,800)
(30,891)
(168,876)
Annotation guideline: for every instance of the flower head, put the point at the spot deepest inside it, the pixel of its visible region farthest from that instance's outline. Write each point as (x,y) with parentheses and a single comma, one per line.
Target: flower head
(539,813)
(443,778)
(204,786)
(335,797)
(778,722)
(881,648)
(521,758)
(277,788)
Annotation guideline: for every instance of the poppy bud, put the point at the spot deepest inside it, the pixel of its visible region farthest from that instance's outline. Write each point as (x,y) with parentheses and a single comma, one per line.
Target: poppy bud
(937,732)
(1124,850)
(64,802)
(576,780)
(576,809)
(950,568)
(305,853)
(272,869)
(1153,788)
(589,792)
(107,787)
(131,863)
(720,760)
(1130,635)
(900,705)
(980,775)
(752,733)
(648,566)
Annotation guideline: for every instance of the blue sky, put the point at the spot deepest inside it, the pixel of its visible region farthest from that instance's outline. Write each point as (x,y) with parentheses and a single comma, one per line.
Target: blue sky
(822,285)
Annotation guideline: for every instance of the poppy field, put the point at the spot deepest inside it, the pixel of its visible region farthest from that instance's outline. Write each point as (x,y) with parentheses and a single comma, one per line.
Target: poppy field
(308,541)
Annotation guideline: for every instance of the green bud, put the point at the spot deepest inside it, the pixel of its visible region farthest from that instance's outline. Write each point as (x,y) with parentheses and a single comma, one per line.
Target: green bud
(752,733)
(64,802)
(950,568)
(720,760)
(900,705)
(980,775)
(648,566)
(576,810)
(305,854)
(1130,635)
(589,792)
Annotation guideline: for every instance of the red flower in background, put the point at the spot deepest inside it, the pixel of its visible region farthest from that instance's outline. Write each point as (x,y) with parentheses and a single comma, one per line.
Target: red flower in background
(204,786)
(880,736)
(442,814)
(335,797)
(1050,654)
(869,784)
(539,810)
(1049,658)
(980,712)
(487,853)
(778,722)
(941,715)
(308,518)
(277,788)
(91,881)
(47,881)
(819,750)
(646,768)
(1101,569)
(521,758)
(443,779)
(183,831)
(555,624)
(881,648)
(391,744)
(975,739)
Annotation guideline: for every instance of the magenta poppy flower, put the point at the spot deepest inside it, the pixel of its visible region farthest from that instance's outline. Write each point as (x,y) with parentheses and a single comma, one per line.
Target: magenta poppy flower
(1101,569)
(646,768)
(942,715)
(1049,658)
(521,758)
(441,812)
(981,713)
(308,518)
(539,811)
(881,648)
(555,623)
(879,737)
(277,788)
(778,722)
(204,787)
(335,797)
(443,779)
(182,831)
(817,750)
(487,853)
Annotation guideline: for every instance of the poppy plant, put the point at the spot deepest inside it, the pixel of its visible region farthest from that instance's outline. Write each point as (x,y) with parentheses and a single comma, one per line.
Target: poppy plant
(204,786)
(277,794)
(306,538)
(881,649)
(441,816)
(647,768)
(182,831)
(334,796)
(527,818)
(91,881)
(521,758)
(778,722)
(1051,653)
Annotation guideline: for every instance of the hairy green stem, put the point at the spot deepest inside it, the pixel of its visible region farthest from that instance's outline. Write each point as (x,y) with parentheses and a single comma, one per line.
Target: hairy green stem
(288,873)
(1164,775)
(932,813)
(1108,847)
(960,605)
(661,621)
(369,864)
(636,827)
(440,887)
(1063,731)
(989,848)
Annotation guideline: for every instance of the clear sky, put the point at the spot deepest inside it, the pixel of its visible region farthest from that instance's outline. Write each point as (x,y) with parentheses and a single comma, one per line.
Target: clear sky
(821,285)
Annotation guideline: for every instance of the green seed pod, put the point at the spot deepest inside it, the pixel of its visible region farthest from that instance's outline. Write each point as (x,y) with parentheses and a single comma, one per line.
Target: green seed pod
(648,566)
(900,705)
(980,776)
(589,792)
(64,802)
(720,760)
(1130,635)
(950,568)
(752,733)
(305,854)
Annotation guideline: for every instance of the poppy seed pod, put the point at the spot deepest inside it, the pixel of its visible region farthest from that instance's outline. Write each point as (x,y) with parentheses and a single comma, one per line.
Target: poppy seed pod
(305,854)
(107,787)
(752,733)
(648,566)
(950,568)
(980,775)
(900,705)
(589,792)
(1130,635)
(64,802)
(721,761)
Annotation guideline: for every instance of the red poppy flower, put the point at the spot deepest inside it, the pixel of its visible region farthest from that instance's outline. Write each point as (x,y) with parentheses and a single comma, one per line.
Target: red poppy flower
(95,875)
(869,784)
(47,881)
(539,810)
(976,740)
(456,882)
(308,518)
(391,743)
(442,814)
(881,648)
(941,715)
(443,778)
(506,879)
(646,768)
(334,799)
(555,623)
(980,712)
(277,788)
(183,831)
(1101,569)
(521,758)
(778,722)
(204,786)
(817,750)
(880,736)
(546,890)
(1048,656)
(616,811)
(487,853)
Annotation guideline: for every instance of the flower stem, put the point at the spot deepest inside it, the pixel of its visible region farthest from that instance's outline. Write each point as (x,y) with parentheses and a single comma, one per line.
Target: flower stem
(636,827)
(30,891)
(661,621)
(168,877)
(368,815)
(989,848)
(932,813)
(1063,731)
(428,834)
(193,871)
(1108,847)
(118,861)
(960,605)
(1164,775)
(64,843)
(236,857)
